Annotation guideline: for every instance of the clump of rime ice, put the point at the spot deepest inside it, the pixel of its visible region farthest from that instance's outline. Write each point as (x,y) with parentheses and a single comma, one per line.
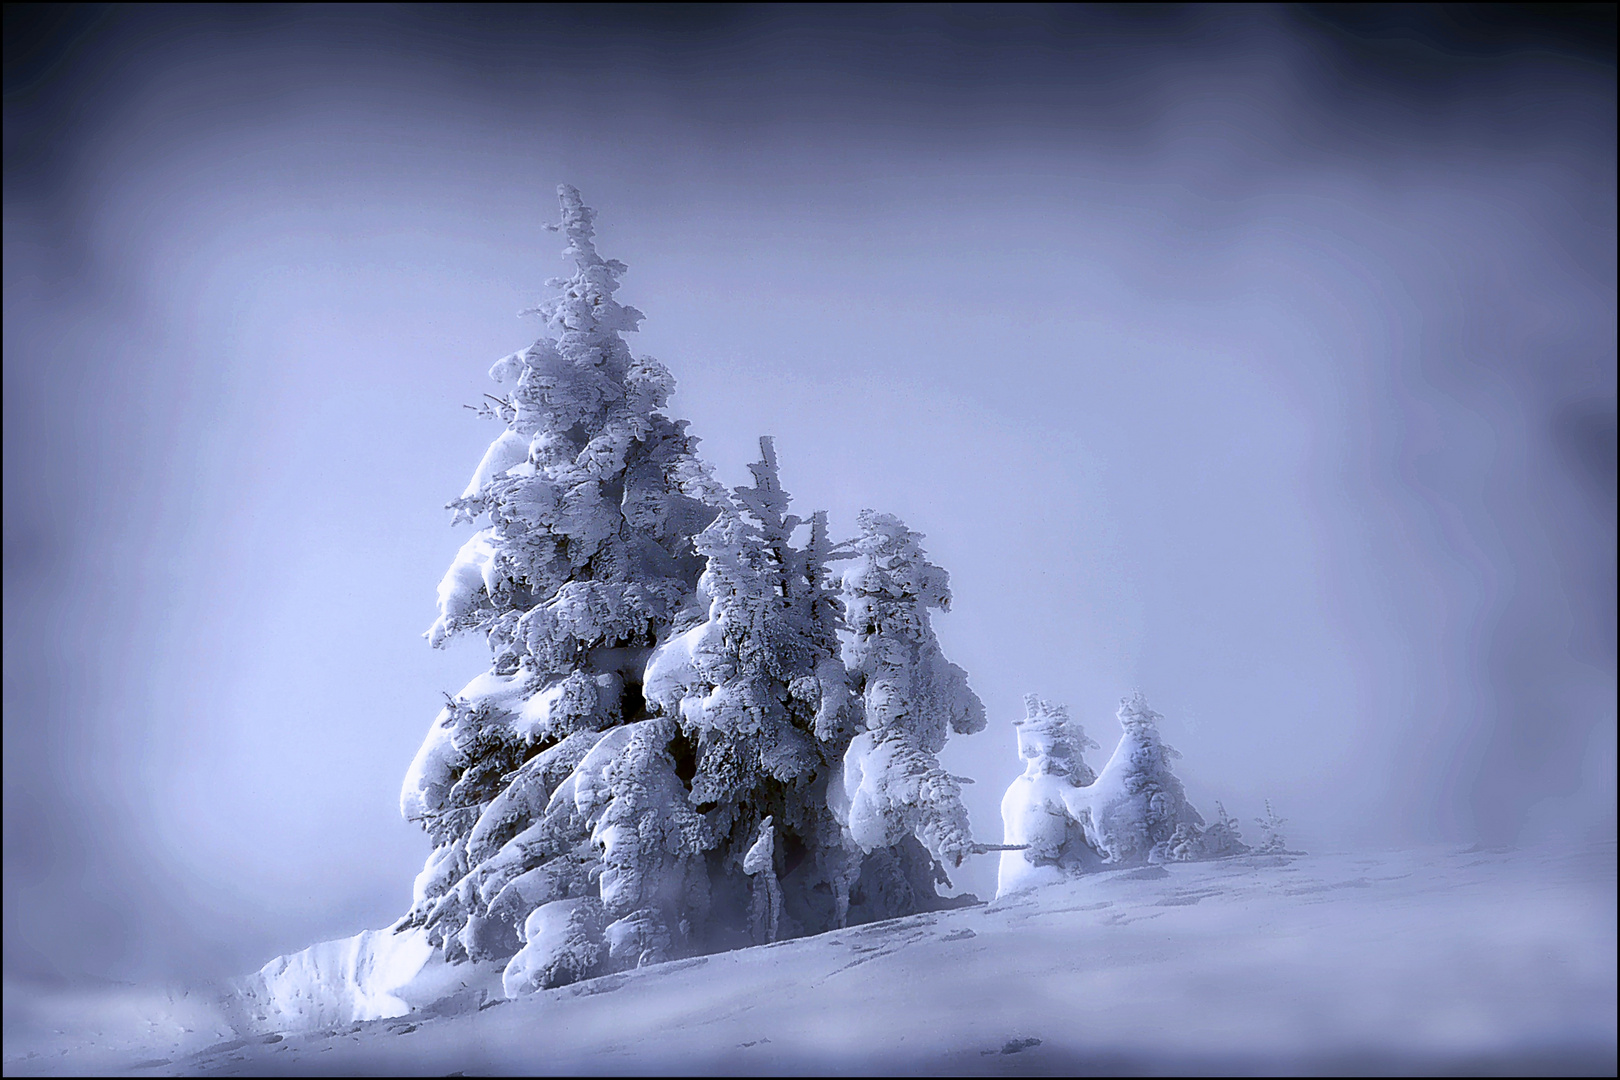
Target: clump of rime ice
(765,914)
(669,753)
(563,943)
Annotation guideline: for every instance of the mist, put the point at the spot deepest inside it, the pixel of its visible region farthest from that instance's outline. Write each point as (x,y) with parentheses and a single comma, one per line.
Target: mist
(1260,359)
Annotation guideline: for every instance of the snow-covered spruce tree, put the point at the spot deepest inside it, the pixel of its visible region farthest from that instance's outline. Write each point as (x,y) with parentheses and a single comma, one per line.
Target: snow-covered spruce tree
(761,712)
(891,796)
(592,496)
(1044,811)
(1136,803)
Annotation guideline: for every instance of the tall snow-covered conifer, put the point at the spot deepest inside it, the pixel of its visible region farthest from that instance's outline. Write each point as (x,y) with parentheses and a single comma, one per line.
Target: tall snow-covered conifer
(591,496)
(644,770)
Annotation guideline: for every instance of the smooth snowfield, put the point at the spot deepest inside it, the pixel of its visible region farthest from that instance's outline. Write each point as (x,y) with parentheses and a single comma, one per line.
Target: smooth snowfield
(1427,961)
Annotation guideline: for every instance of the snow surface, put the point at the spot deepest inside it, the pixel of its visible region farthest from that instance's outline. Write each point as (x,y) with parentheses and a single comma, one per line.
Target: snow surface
(1420,961)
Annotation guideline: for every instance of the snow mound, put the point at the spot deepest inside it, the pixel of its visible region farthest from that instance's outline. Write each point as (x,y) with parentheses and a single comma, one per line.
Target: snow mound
(375,975)
(563,944)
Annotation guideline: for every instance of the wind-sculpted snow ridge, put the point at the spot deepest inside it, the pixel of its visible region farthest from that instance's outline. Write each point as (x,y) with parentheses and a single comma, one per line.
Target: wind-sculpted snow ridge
(1062,820)
(669,706)
(375,975)
(1435,961)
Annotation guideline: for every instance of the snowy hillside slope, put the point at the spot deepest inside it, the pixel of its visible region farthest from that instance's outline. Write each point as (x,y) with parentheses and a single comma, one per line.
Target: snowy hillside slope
(1427,961)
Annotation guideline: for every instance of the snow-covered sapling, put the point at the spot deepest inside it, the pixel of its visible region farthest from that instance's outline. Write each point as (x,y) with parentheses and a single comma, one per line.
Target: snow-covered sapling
(1137,802)
(1222,837)
(1272,841)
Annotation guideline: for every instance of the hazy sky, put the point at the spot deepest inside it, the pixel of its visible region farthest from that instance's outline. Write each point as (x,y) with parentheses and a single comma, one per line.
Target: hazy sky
(1260,361)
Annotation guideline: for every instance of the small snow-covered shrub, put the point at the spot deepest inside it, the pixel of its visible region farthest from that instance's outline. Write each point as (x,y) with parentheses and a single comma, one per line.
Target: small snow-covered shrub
(1222,837)
(1272,841)
(1063,820)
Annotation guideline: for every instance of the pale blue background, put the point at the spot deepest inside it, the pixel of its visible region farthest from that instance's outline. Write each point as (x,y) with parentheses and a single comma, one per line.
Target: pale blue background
(1264,363)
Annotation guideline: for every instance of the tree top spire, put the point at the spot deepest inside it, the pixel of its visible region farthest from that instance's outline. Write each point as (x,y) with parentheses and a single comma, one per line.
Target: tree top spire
(1134,711)
(586,303)
(579,225)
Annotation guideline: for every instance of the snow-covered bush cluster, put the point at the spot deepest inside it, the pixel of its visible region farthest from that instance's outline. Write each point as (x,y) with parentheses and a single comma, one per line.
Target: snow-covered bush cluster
(1064,820)
(672,750)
